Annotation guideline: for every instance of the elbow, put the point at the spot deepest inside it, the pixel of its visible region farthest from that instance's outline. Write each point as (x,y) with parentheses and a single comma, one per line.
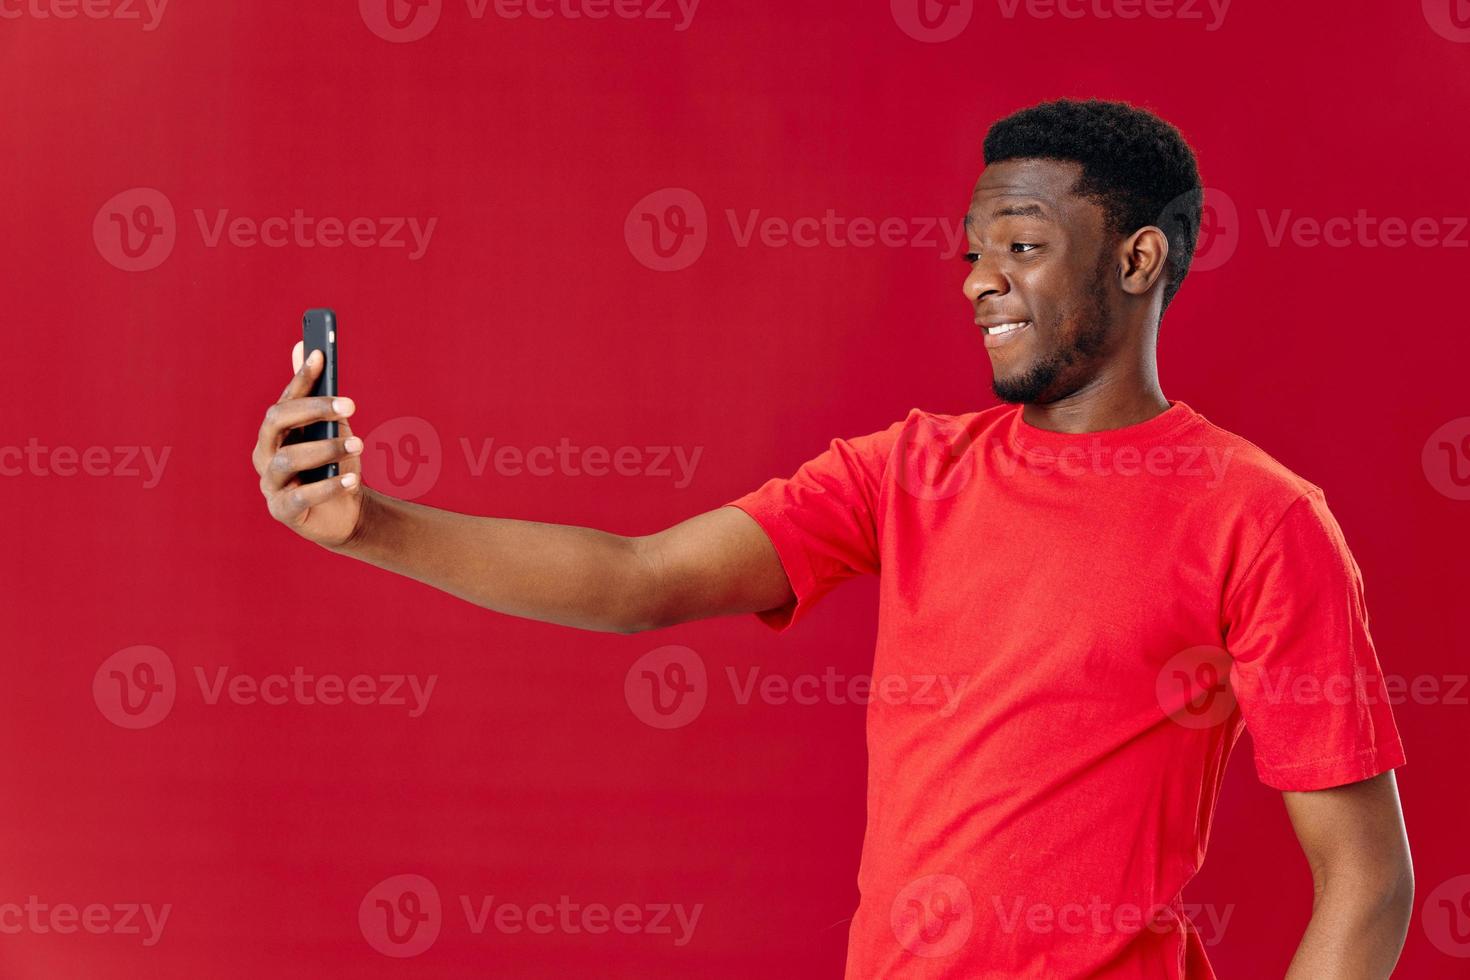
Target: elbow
(644,604)
(1399,895)
(1395,888)
(1383,896)
(628,626)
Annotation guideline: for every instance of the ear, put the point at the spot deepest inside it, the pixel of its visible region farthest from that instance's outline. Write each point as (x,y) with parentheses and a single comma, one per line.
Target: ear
(1144,254)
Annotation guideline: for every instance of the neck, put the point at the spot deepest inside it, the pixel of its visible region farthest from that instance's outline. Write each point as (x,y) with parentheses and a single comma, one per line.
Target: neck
(1119,395)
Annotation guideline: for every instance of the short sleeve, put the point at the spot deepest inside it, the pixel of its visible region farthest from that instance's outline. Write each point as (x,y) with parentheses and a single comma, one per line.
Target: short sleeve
(823,519)
(1304,669)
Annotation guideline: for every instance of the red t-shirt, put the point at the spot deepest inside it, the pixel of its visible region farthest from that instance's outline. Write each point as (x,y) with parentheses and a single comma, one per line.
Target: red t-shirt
(1073,630)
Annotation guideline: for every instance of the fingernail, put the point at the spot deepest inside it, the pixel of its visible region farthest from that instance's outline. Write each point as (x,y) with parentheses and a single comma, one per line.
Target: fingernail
(342,406)
(350,480)
(314,356)
(353,444)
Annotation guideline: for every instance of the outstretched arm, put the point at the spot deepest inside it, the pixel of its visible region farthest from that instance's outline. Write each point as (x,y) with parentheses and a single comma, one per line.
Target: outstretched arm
(715,564)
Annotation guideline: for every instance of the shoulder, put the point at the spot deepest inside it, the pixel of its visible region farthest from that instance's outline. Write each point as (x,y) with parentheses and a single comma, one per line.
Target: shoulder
(1257,479)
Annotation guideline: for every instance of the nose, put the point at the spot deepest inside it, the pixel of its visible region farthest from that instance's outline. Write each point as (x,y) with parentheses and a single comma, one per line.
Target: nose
(985,280)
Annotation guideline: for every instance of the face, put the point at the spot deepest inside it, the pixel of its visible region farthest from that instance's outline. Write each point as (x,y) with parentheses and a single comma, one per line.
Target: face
(1041,279)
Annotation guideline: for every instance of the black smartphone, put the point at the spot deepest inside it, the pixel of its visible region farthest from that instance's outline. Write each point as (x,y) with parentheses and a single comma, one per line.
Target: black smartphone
(319,332)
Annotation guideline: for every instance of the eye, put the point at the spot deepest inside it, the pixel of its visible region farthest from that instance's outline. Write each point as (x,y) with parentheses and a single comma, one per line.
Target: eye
(1023,246)
(971,257)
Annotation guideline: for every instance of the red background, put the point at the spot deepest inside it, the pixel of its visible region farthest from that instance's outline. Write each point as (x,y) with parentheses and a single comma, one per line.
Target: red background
(529,320)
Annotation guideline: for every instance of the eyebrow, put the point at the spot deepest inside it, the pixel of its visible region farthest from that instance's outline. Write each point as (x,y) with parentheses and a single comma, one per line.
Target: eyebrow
(1021,211)
(1011,211)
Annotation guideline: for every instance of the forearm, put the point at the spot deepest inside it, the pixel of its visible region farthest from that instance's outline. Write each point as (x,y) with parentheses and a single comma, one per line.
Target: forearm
(1356,932)
(571,576)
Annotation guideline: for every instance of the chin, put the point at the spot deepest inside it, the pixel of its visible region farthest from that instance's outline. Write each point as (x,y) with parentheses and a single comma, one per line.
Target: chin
(1008,390)
(1028,385)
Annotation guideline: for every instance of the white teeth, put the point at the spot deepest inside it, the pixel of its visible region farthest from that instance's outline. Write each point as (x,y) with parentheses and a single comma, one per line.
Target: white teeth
(1005,328)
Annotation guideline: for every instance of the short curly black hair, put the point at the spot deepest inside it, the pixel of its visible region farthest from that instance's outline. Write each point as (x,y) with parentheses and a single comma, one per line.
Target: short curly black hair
(1134,164)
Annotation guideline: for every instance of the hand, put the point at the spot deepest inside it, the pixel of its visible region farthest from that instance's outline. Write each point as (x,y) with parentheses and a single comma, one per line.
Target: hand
(329,511)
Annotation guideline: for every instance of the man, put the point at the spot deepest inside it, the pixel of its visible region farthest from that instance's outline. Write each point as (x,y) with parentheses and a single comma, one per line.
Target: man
(1095,560)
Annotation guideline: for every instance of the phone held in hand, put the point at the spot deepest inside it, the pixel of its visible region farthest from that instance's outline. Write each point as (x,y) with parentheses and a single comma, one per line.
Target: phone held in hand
(319,332)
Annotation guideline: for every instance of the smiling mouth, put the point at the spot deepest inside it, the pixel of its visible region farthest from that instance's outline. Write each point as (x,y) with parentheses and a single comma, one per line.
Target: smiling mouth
(1001,329)
(1004,332)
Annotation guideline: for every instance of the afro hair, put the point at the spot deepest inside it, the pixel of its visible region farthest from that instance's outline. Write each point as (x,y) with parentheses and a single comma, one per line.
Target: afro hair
(1136,166)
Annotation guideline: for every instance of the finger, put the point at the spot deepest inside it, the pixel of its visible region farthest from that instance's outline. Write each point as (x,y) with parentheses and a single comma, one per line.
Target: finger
(288,461)
(352,462)
(290,506)
(304,377)
(284,416)
(298,355)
